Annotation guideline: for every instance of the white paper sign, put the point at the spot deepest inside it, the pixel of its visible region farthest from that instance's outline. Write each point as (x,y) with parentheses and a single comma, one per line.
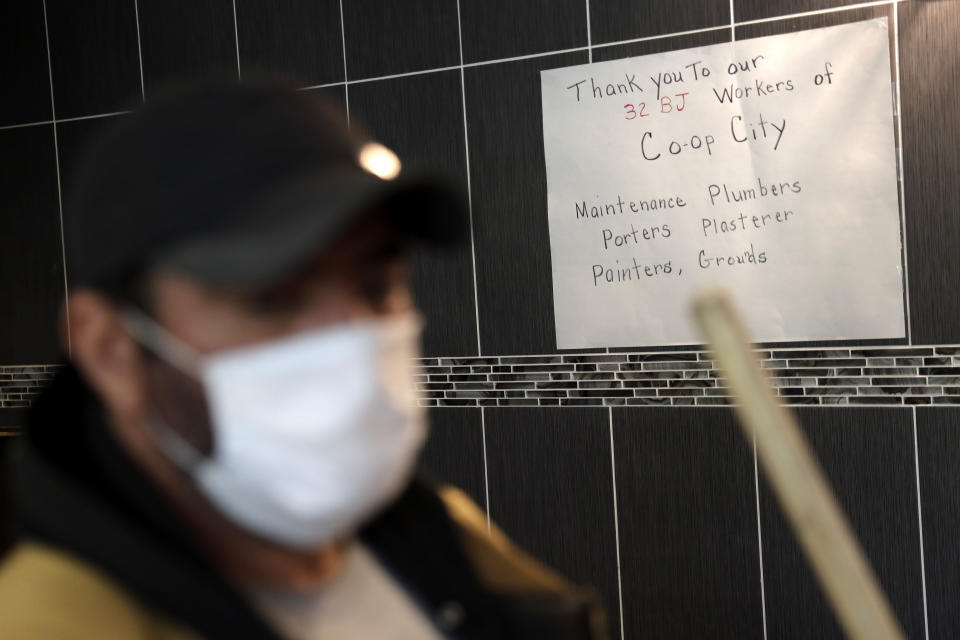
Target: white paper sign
(766,166)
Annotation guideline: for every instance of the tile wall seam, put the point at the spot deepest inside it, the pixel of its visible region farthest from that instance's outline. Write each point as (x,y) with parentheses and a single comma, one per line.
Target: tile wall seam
(466,153)
(343,48)
(756,490)
(136,19)
(236,39)
(616,521)
(589,37)
(923,566)
(789,16)
(486,475)
(56,160)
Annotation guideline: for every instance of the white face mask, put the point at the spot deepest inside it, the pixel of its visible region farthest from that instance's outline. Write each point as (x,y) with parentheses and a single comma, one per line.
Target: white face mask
(312,433)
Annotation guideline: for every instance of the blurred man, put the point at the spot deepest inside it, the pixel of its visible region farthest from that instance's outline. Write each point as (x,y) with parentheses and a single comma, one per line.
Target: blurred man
(230,452)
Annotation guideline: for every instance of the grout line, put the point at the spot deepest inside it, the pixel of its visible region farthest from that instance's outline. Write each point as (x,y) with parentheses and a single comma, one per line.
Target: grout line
(588,49)
(733,38)
(61,120)
(756,490)
(590,43)
(529,56)
(56,159)
(346,83)
(322,86)
(817,12)
(236,38)
(486,476)
(903,193)
(923,568)
(616,520)
(93,117)
(406,74)
(25,124)
(136,14)
(661,36)
(466,153)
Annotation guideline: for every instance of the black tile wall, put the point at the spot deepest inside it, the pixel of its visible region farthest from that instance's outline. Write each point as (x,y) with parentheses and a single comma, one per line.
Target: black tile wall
(12,419)
(938,445)
(551,490)
(454,451)
(660,45)
(186,39)
(790,25)
(495,29)
(72,140)
(684,480)
(867,455)
(755,9)
(31,265)
(23,65)
(930,100)
(686,503)
(94,56)
(297,38)
(508,185)
(384,38)
(615,20)
(421,117)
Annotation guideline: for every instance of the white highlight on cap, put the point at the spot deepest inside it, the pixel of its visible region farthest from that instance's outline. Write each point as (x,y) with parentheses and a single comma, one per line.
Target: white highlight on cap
(379,160)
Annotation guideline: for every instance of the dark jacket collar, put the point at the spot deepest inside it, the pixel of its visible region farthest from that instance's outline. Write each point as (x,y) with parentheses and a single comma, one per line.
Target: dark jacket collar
(75,488)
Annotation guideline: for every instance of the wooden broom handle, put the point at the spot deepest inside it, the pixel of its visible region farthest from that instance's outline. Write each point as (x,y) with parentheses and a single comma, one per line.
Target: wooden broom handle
(797,479)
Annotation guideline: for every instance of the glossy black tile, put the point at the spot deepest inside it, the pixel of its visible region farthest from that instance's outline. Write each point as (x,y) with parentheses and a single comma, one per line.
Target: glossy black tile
(508,185)
(183,39)
(31,263)
(755,9)
(10,420)
(551,490)
(930,101)
(300,39)
(454,451)
(816,21)
(494,29)
(384,38)
(661,45)
(72,140)
(23,65)
(938,441)
(93,48)
(615,20)
(421,118)
(686,501)
(867,455)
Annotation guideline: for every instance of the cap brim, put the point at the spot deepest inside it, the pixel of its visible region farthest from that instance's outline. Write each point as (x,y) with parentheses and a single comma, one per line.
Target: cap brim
(300,219)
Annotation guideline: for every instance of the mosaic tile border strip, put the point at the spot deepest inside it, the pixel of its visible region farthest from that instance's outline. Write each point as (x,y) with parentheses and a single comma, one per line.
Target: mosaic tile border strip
(21,385)
(907,375)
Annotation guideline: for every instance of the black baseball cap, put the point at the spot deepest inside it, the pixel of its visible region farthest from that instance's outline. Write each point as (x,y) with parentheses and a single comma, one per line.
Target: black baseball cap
(237,186)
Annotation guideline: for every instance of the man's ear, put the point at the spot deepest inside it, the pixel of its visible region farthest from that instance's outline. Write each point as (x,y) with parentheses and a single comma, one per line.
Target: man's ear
(104,353)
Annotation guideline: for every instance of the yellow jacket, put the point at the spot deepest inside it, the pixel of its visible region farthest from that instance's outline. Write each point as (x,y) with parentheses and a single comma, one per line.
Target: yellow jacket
(47,594)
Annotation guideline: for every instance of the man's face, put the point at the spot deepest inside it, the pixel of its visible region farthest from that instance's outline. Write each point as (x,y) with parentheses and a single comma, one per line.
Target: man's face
(363,276)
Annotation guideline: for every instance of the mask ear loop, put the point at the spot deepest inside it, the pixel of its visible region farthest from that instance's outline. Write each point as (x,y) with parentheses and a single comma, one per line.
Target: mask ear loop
(169,348)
